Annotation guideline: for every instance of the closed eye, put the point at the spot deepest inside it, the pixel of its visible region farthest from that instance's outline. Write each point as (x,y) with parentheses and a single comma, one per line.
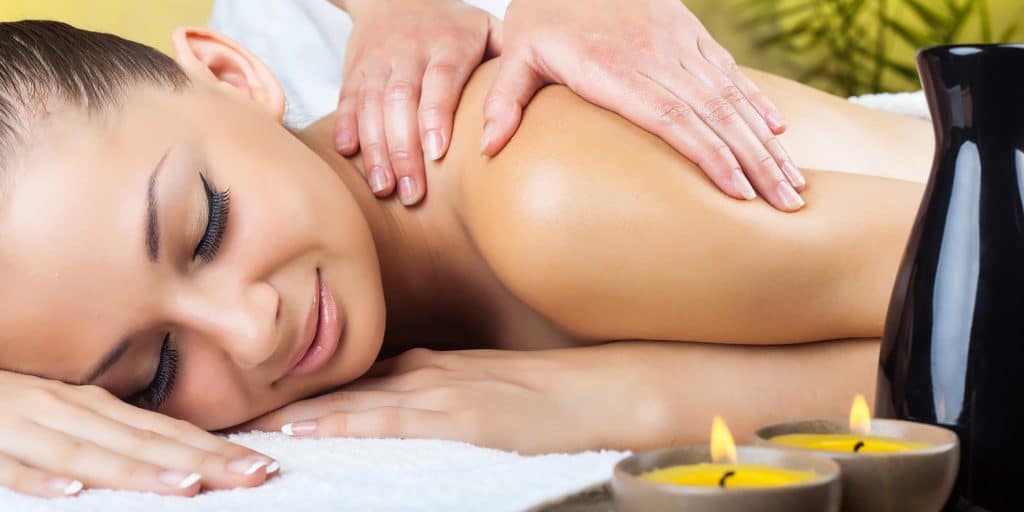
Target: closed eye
(218,205)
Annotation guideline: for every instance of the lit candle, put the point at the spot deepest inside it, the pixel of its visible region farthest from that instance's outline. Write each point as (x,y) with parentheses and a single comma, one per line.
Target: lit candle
(859,441)
(703,478)
(887,465)
(724,471)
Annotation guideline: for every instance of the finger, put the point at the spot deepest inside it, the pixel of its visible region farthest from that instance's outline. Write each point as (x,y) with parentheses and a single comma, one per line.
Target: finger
(650,106)
(179,430)
(96,466)
(338,401)
(716,80)
(372,139)
(513,86)
(443,81)
(346,140)
(33,482)
(721,58)
(719,115)
(218,472)
(387,422)
(401,103)
(495,31)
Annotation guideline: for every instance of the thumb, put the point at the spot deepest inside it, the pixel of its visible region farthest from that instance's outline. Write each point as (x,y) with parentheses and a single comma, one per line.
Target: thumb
(512,89)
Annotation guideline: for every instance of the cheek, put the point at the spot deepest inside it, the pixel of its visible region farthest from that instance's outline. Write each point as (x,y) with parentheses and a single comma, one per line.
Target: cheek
(210,392)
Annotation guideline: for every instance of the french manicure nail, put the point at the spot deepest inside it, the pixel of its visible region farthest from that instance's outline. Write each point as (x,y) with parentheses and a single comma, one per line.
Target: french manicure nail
(64,486)
(300,428)
(378,179)
(273,467)
(794,174)
(741,185)
(407,190)
(179,479)
(486,139)
(789,197)
(248,465)
(432,144)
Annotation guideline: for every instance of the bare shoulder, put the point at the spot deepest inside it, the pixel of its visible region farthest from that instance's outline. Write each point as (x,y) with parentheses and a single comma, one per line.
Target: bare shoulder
(554,212)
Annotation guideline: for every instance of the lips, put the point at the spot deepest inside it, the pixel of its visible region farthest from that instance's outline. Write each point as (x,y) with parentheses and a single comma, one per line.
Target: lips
(319,339)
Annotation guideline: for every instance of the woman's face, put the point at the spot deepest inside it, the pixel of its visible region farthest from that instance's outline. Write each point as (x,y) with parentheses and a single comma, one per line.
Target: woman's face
(187,233)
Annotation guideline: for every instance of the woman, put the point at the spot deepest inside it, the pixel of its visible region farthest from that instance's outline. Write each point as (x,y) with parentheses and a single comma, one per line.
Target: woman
(243,267)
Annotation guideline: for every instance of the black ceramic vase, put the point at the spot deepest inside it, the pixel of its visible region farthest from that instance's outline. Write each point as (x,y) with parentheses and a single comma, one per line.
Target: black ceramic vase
(953,348)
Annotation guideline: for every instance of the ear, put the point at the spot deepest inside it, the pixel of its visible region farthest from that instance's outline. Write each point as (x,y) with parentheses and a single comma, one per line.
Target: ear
(209,57)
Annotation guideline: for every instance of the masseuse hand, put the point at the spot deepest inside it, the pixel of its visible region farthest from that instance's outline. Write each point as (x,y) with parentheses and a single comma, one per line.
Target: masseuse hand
(654,63)
(406,64)
(55,437)
(531,402)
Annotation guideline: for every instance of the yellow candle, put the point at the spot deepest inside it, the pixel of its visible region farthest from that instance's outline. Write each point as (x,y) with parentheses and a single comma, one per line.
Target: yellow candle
(849,443)
(727,475)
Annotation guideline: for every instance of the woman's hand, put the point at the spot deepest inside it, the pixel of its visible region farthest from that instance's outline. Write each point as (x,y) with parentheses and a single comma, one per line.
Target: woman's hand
(654,63)
(531,402)
(406,66)
(55,438)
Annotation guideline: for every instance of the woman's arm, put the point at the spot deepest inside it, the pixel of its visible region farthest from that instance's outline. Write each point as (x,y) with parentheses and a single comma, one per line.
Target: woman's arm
(623,395)
(607,231)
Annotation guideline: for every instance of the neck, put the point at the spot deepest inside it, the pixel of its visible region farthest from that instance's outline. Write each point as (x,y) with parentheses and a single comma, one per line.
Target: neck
(414,247)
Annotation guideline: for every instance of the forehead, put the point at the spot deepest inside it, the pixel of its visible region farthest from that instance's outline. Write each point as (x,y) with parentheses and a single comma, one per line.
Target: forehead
(72,234)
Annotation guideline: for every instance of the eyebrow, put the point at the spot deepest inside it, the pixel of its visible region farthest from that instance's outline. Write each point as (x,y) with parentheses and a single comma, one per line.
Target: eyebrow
(152,253)
(152,227)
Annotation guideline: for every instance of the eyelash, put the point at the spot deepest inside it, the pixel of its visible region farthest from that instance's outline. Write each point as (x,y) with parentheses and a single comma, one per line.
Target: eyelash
(163,381)
(218,206)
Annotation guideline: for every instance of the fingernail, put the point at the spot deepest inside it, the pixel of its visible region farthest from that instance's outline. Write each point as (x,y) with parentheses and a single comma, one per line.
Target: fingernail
(248,465)
(789,197)
(741,185)
(775,121)
(407,190)
(344,140)
(488,135)
(796,178)
(378,179)
(300,428)
(274,467)
(64,486)
(432,144)
(179,479)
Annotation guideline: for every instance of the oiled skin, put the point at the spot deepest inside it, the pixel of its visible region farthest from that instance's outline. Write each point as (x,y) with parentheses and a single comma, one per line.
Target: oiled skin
(587,230)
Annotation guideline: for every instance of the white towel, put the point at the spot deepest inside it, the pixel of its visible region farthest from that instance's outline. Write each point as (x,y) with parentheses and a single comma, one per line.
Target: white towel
(364,475)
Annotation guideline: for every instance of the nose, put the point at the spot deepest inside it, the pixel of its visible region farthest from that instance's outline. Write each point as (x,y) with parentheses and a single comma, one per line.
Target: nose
(241,319)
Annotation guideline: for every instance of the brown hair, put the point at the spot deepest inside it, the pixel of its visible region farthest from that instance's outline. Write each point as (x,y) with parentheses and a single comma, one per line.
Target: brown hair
(46,61)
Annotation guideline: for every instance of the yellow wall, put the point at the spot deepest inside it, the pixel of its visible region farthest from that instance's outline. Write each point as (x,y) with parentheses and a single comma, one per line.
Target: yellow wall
(145,21)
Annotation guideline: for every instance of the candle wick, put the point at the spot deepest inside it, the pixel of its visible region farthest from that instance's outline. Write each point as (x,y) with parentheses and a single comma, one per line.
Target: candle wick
(721,481)
(858,446)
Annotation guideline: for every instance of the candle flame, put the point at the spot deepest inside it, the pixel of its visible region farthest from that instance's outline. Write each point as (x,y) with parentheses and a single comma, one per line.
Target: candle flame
(860,416)
(723,448)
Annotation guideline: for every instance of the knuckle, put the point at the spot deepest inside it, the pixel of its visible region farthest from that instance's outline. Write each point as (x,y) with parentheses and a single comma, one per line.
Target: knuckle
(718,110)
(718,155)
(373,147)
(43,398)
(141,439)
(424,375)
(766,165)
(418,354)
(402,91)
(401,157)
(674,112)
(442,68)
(337,425)
(771,141)
(733,95)
(369,99)
(95,391)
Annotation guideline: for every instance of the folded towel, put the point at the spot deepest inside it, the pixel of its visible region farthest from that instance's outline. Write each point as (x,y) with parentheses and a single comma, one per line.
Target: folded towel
(368,475)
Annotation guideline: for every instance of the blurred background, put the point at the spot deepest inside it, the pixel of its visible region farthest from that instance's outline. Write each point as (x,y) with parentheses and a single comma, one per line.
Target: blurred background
(846,47)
